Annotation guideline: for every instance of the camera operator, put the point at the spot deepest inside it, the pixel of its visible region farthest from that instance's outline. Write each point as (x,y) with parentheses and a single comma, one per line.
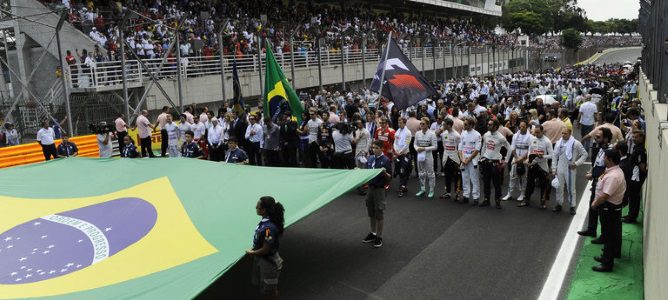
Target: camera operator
(104,137)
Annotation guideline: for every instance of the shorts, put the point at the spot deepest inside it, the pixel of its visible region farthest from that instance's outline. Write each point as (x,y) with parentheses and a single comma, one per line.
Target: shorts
(266,270)
(375,202)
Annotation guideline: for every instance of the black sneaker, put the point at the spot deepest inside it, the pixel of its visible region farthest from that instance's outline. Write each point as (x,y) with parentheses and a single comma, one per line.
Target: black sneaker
(484,203)
(475,203)
(369,238)
(572,210)
(378,242)
(557,208)
(464,200)
(400,194)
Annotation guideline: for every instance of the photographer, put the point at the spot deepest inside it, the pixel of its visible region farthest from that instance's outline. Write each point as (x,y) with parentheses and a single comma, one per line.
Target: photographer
(104,140)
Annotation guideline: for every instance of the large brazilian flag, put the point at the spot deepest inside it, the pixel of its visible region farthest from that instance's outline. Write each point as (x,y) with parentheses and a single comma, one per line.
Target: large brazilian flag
(279,96)
(81,228)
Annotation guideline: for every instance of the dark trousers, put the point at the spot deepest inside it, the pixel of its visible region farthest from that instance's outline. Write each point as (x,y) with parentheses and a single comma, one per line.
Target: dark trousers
(254,154)
(325,158)
(403,167)
(535,176)
(413,152)
(216,153)
(146,147)
(121,135)
(452,175)
(592,222)
(289,154)
(49,151)
(611,227)
(492,173)
(343,160)
(163,142)
(438,157)
(271,158)
(634,194)
(312,153)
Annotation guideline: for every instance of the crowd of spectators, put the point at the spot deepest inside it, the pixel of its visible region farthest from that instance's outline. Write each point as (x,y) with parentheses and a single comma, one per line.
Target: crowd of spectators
(554,42)
(241,22)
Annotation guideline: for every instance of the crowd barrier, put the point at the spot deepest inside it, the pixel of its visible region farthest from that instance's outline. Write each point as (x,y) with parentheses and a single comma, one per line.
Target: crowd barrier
(31,153)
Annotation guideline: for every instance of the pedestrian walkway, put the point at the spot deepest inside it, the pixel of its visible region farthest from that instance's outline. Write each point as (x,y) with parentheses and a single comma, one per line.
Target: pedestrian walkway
(626,282)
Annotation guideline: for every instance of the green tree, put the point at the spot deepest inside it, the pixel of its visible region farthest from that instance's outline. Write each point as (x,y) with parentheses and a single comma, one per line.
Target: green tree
(571,38)
(533,17)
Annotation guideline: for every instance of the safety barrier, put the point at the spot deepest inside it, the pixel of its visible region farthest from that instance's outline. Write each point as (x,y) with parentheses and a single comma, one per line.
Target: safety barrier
(32,153)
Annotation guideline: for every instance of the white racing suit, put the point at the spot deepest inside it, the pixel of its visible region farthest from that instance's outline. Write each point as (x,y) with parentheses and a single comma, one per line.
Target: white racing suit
(566,175)
(426,140)
(470,141)
(519,182)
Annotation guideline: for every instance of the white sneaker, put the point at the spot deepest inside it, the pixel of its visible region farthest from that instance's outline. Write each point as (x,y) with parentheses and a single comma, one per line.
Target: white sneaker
(506,198)
(521,197)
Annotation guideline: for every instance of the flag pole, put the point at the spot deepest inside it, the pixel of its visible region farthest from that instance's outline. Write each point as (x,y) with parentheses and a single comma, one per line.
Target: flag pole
(382,74)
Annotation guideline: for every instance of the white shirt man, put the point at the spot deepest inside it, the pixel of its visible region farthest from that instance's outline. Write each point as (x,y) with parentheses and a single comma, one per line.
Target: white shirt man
(451,139)
(173,135)
(198,129)
(568,155)
(425,143)
(104,144)
(254,133)
(469,148)
(587,112)
(46,136)
(143,127)
(520,151)
(313,126)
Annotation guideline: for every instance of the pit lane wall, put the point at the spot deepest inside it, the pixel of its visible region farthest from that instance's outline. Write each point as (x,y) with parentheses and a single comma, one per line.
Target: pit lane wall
(655,245)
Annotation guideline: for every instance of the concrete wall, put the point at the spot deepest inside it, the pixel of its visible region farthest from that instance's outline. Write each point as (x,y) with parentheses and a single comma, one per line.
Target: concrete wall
(43,78)
(207,89)
(655,245)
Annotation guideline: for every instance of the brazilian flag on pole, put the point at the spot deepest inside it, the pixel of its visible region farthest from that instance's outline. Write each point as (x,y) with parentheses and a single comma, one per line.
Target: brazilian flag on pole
(279,96)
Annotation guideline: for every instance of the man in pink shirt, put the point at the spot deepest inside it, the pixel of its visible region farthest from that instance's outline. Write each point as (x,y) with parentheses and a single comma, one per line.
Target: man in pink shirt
(609,196)
(144,127)
(121,131)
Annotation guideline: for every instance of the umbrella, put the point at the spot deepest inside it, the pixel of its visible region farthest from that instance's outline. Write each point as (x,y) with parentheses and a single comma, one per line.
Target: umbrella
(547,99)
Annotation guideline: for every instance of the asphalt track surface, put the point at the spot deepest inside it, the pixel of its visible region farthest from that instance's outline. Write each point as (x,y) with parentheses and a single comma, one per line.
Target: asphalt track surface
(433,249)
(620,56)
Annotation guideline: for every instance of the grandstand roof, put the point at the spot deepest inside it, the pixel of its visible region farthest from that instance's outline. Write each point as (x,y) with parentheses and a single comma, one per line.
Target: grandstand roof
(487,7)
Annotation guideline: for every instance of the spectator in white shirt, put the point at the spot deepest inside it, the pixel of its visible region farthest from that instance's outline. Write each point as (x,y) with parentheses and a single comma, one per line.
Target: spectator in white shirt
(215,140)
(45,137)
(104,142)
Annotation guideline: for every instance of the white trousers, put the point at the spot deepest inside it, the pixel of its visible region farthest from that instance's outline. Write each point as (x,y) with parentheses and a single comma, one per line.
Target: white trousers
(173,151)
(567,182)
(517,182)
(426,172)
(471,177)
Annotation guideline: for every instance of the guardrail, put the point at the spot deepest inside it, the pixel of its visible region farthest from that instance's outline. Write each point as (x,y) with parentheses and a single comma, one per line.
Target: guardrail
(31,153)
(109,74)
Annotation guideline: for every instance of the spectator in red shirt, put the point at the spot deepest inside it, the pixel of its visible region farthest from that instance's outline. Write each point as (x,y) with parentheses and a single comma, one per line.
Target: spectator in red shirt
(385,134)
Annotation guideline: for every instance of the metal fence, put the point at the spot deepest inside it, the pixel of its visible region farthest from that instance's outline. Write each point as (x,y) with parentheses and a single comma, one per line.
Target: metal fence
(108,75)
(653,26)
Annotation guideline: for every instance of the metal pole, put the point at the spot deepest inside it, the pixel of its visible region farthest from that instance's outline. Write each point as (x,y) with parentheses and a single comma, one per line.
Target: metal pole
(319,64)
(461,60)
(222,66)
(424,53)
(178,69)
(475,60)
(364,60)
(433,58)
(292,62)
(68,110)
(384,62)
(526,58)
(126,99)
(259,58)
(468,58)
(452,55)
(488,60)
(343,69)
(445,76)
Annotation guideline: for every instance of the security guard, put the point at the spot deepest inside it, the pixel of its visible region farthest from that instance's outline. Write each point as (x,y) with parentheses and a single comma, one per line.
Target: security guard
(608,201)
(267,263)
(603,138)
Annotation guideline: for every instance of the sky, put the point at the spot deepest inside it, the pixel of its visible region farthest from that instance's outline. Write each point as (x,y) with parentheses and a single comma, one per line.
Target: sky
(601,10)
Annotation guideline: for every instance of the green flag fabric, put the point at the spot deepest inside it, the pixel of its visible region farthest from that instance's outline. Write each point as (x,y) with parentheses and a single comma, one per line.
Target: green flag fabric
(279,96)
(81,228)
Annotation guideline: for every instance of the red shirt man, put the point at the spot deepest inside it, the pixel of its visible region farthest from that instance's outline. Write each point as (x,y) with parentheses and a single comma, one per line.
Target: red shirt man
(385,134)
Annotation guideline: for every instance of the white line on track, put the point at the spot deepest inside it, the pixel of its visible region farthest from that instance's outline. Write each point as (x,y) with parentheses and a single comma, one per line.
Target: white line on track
(555,280)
